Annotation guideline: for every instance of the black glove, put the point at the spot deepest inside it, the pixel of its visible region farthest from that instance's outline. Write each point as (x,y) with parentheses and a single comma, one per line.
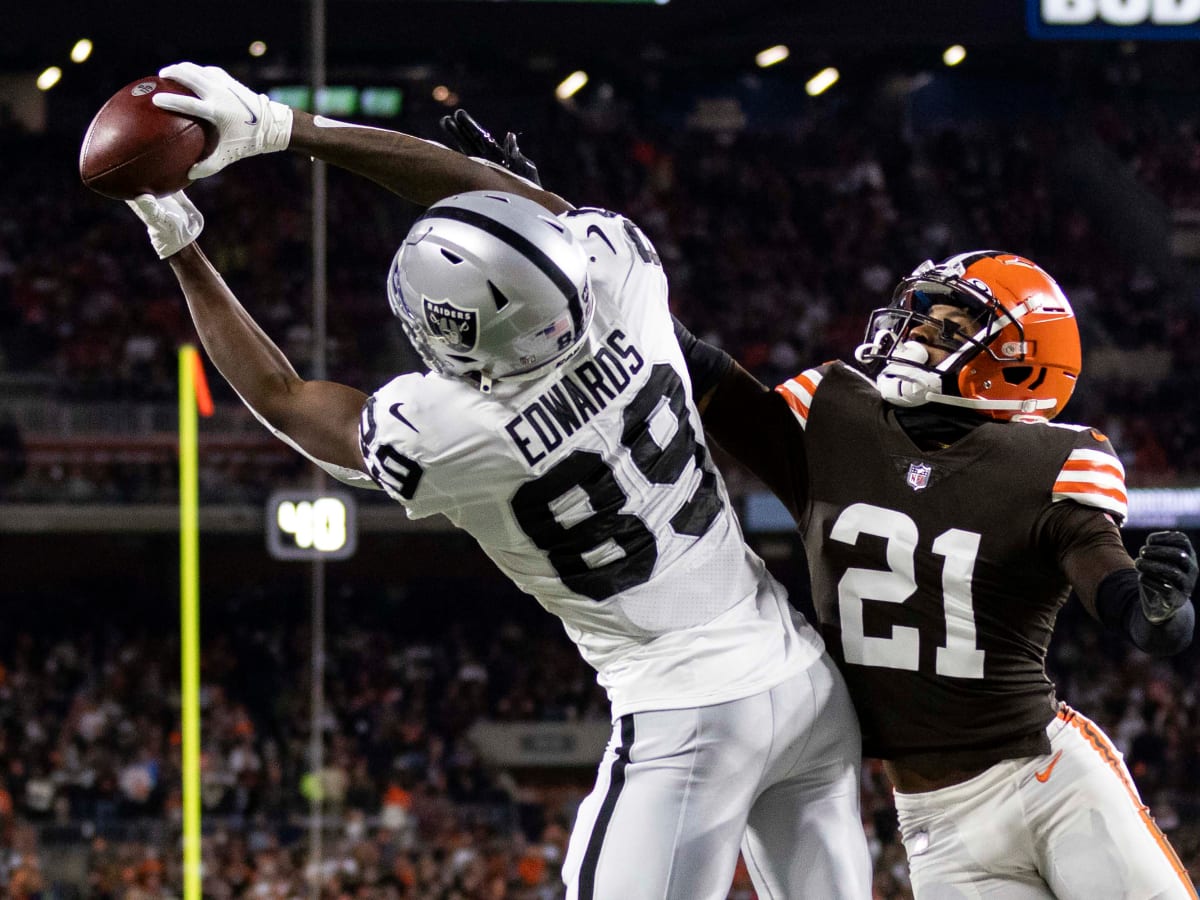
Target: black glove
(1167,572)
(469,137)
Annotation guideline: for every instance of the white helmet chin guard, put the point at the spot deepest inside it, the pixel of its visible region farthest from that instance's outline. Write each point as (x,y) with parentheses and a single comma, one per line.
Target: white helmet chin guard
(490,285)
(902,384)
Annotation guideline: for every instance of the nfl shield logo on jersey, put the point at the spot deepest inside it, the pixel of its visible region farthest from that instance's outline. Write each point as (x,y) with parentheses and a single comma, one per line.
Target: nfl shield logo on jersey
(459,328)
(918,475)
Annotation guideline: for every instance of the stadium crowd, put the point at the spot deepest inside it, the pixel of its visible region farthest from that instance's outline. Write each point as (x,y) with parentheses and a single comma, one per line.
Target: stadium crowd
(89,733)
(776,244)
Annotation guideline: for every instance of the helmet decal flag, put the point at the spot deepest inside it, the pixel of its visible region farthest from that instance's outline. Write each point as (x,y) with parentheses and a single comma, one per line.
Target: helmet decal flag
(459,328)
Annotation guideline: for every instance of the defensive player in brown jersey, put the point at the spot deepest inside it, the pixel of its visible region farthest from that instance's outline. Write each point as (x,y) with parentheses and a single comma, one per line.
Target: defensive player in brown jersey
(946,519)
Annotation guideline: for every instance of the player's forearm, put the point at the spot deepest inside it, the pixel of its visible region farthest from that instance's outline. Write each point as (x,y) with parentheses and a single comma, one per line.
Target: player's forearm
(754,426)
(1119,607)
(747,420)
(419,171)
(249,360)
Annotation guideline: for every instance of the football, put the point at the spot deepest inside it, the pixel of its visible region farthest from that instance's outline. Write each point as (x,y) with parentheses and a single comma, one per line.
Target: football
(132,147)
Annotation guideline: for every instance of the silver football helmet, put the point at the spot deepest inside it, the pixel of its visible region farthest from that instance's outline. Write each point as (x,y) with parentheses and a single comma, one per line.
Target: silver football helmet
(490,285)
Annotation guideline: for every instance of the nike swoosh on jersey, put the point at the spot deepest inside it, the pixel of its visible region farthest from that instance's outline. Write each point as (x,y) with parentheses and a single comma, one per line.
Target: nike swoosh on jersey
(253,120)
(600,234)
(394,409)
(1044,775)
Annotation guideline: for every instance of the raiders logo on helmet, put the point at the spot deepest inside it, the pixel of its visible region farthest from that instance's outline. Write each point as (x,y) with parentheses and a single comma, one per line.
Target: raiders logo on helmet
(459,328)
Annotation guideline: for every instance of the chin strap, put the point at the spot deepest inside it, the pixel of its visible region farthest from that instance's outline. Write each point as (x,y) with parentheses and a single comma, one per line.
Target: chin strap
(902,384)
(1028,408)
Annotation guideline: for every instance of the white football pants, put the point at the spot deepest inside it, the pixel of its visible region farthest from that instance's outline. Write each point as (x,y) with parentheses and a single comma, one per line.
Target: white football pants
(1068,825)
(680,791)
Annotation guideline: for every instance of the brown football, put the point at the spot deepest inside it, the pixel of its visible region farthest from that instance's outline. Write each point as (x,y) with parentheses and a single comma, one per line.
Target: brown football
(132,147)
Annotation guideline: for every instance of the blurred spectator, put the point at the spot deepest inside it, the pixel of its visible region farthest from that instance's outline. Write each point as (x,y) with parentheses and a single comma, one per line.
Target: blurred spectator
(777,244)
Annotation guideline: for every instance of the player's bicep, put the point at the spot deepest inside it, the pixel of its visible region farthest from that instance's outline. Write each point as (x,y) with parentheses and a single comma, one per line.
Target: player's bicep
(754,425)
(322,418)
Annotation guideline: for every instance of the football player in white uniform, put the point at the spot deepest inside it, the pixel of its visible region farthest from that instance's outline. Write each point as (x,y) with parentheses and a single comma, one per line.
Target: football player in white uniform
(556,426)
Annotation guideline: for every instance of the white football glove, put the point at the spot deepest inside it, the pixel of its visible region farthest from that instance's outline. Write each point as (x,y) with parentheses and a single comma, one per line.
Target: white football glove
(248,123)
(173,222)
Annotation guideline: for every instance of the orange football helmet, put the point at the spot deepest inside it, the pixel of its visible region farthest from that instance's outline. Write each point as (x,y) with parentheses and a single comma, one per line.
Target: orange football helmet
(1021,362)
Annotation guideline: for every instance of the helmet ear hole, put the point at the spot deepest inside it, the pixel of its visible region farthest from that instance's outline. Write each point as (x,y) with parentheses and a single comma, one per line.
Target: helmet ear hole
(1017,374)
(498,297)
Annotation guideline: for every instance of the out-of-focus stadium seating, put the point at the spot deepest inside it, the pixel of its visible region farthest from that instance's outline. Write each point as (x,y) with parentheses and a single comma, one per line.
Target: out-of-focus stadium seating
(777,245)
(778,240)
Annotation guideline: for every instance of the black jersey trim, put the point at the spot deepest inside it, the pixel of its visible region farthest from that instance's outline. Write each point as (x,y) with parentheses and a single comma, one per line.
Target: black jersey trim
(591,858)
(521,244)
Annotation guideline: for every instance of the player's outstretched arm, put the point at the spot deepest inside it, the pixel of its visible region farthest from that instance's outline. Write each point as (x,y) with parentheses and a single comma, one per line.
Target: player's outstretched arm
(750,422)
(418,170)
(319,418)
(250,124)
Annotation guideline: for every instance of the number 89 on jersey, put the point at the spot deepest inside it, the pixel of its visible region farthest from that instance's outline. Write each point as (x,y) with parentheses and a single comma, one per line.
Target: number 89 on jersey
(311,525)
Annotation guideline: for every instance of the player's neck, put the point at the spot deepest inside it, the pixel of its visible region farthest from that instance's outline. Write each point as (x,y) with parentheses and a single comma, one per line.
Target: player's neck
(934,427)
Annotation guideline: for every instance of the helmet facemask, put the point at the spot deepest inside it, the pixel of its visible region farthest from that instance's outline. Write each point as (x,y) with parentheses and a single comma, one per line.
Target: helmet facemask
(993,363)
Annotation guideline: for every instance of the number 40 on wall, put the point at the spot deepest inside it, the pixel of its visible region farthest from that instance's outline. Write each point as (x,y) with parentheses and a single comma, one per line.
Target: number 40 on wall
(311,525)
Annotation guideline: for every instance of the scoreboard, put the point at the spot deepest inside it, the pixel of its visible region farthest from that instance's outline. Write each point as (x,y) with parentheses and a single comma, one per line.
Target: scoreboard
(1114,20)
(311,525)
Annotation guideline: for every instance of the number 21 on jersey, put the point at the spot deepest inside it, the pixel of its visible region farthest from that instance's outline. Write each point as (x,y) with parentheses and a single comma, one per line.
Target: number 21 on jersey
(960,657)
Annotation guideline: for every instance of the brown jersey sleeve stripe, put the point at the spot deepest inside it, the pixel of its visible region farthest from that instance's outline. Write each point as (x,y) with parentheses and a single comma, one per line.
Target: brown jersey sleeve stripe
(1082,465)
(798,393)
(1083,487)
(797,405)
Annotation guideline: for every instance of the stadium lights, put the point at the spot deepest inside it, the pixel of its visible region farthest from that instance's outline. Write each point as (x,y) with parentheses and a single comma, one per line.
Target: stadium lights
(570,85)
(822,81)
(771,55)
(258,48)
(49,78)
(81,51)
(954,55)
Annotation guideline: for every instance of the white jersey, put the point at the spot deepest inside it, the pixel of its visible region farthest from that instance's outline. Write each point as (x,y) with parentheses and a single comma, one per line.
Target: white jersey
(593,490)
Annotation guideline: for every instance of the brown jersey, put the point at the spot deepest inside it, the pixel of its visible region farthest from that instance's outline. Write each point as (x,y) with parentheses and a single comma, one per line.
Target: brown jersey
(935,574)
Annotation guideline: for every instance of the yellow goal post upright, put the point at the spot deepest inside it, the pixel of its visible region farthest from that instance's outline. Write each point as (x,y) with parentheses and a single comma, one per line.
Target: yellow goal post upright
(194,397)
